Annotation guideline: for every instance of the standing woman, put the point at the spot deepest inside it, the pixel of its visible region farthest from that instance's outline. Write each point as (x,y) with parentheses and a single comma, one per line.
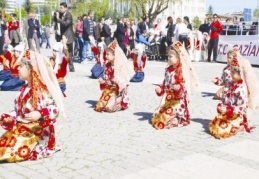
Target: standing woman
(181,32)
(187,22)
(30,131)
(173,110)
(115,81)
(106,32)
(14,33)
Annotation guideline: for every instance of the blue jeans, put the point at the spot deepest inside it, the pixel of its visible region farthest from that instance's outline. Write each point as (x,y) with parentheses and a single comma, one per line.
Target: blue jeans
(87,51)
(47,42)
(80,42)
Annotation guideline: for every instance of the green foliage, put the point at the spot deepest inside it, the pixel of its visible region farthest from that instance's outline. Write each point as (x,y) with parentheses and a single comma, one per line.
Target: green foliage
(196,23)
(256,12)
(28,6)
(23,13)
(98,6)
(3,4)
(210,10)
(44,19)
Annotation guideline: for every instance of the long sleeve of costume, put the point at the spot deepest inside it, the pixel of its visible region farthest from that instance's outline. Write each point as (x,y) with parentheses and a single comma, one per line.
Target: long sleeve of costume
(48,110)
(225,77)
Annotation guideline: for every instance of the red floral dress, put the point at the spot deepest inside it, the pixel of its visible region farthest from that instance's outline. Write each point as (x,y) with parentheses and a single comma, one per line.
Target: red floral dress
(25,140)
(112,99)
(173,110)
(235,99)
(225,77)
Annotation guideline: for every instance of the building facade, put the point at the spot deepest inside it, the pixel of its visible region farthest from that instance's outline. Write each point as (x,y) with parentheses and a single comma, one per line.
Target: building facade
(11,5)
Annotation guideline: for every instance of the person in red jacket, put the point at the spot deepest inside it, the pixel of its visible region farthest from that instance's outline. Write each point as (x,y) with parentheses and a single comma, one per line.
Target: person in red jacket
(60,61)
(215,29)
(14,33)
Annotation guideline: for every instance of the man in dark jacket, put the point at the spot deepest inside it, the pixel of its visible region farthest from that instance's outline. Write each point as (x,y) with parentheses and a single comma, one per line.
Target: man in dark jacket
(66,27)
(170,30)
(34,32)
(88,35)
(120,34)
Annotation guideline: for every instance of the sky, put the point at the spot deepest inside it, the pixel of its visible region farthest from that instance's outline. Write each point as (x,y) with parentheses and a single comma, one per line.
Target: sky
(225,6)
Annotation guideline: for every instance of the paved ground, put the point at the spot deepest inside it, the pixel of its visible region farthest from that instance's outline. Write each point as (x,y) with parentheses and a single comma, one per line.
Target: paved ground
(124,145)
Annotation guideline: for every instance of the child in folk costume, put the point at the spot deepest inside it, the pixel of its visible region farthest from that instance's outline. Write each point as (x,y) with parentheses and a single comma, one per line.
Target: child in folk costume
(115,81)
(60,61)
(197,45)
(240,97)
(190,45)
(173,109)
(225,77)
(98,69)
(139,59)
(30,132)
(5,60)
(204,46)
(14,83)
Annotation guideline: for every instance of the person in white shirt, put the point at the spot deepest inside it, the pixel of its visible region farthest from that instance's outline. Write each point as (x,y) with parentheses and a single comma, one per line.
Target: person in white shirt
(181,32)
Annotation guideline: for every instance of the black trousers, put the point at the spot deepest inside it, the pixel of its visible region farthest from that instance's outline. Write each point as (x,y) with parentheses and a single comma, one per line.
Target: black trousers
(1,44)
(70,51)
(184,39)
(213,44)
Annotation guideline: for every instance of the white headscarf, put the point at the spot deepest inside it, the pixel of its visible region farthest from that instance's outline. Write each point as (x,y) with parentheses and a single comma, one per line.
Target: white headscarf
(59,58)
(140,50)
(123,70)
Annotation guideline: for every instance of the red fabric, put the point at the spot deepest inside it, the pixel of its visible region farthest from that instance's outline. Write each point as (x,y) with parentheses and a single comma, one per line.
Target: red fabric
(3,61)
(11,26)
(162,90)
(188,43)
(144,59)
(62,71)
(95,50)
(230,112)
(218,26)
(197,45)
(44,112)
(14,67)
(217,81)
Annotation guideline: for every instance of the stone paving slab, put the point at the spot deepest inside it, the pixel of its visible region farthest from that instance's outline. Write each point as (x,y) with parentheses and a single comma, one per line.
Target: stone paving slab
(122,144)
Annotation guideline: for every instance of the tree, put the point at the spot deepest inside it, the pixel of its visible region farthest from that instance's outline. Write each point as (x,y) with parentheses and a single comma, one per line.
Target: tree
(98,6)
(256,12)
(3,4)
(150,8)
(23,13)
(210,10)
(196,23)
(28,6)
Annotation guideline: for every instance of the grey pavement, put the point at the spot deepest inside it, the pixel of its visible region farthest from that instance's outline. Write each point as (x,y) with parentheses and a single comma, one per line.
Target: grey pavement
(124,144)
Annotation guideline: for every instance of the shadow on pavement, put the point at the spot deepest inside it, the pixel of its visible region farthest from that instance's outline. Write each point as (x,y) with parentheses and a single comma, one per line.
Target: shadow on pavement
(91,102)
(207,94)
(144,116)
(204,122)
